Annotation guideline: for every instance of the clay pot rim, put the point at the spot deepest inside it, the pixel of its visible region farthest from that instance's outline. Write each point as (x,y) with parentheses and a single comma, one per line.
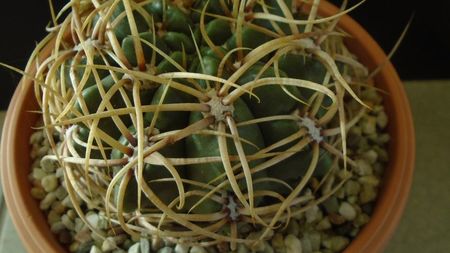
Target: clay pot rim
(372,238)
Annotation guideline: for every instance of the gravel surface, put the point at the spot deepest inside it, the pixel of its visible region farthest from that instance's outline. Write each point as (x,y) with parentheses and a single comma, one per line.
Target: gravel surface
(328,227)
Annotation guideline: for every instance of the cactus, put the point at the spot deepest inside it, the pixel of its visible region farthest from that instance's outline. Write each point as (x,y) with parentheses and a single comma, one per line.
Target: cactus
(187,118)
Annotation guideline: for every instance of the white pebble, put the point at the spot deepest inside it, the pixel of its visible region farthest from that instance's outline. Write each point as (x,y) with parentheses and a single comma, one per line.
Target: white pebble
(382,119)
(371,156)
(369,180)
(347,211)
(181,248)
(57,227)
(109,244)
(198,249)
(94,249)
(165,250)
(67,222)
(157,243)
(48,165)
(93,219)
(49,183)
(135,248)
(47,201)
(293,244)
(324,224)
(38,173)
(312,214)
(369,125)
(363,168)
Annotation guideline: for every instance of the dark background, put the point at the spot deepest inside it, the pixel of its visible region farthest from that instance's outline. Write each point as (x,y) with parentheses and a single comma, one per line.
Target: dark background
(424,53)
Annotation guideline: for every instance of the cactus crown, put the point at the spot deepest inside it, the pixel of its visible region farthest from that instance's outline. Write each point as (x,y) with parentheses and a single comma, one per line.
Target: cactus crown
(187,119)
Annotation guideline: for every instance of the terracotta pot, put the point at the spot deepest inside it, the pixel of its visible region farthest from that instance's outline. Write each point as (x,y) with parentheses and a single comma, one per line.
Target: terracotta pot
(32,225)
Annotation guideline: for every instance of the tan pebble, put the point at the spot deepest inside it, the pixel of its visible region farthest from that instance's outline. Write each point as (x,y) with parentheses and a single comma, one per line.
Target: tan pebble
(293,244)
(363,168)
(347,211)
(382,120)
(109,244)
(38,193)
(47,202)
(367,194)
(49,183)
(336,219)
(368,125)
(74,246)
(53,217)
(369,180)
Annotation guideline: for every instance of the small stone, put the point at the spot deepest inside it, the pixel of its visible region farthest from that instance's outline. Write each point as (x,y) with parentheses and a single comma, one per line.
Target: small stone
(339,243)
(74,246)
(58,207)
(60,193)
(71,214)
(79,225)
(83,235)
(324,224)
(38,193)
(293,244)
(57,227)
(315,239)
(93,219)
(49,183)
(59,172)
(369,180)
(67,202)
(135,248)
(165,250)
(383,138)
(267,248)
(181,248)
(383,155)
(38,174)
(363,168)
(198,249)
(306,245)
(145,245)
(67,222)
(278,243)
(352,187)
(361,220)
(367,194)
(157,243)
(370,155)
(331,204)
(382,119)
(109,244)
(53,217)
(369,125)
(312,214)
(347,211)
(293,227)
(47,202)
(48,165)
(94,249)
(336,219)
(241,248)
(352,199)
(258,244)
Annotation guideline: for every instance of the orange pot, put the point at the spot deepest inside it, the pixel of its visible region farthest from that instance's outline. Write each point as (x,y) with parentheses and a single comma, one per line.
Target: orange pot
(32,225)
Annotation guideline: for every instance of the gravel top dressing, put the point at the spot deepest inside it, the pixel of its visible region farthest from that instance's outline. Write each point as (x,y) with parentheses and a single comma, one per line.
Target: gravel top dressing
(205,126)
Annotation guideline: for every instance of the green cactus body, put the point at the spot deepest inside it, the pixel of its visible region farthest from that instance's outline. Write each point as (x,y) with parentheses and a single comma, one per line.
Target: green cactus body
(201,110)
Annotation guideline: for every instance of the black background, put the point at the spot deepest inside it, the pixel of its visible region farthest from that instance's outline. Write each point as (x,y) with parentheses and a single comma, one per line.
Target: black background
(424,53)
